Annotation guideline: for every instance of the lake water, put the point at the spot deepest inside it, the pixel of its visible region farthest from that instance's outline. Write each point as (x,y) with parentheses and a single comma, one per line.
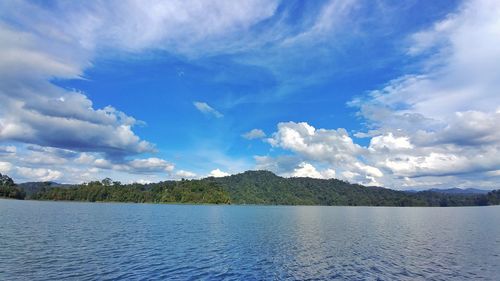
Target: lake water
(98,241)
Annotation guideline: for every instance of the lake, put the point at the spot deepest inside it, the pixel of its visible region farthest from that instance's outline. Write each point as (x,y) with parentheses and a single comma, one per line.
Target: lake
(114,241)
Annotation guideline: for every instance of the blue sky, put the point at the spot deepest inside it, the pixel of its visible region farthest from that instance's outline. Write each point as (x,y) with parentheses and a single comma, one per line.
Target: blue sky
(402,94)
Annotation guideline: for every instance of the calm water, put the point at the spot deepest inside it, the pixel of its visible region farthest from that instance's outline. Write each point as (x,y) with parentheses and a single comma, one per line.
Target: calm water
(92,241)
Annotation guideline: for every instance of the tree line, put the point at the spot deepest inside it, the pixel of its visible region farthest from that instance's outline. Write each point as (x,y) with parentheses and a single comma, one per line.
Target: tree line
(8,189)
(251,187)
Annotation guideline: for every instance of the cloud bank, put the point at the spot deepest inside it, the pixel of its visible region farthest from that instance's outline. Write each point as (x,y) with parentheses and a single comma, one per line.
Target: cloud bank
(436,127)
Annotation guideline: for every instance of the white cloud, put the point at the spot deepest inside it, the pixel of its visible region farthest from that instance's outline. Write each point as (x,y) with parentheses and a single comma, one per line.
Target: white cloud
(185,174)
(143,181)
(334,146)
(150,165)
(204,108)
(459,74)
(254,134)
(217,173)
(76,167)
(182,26)
(136,166)
(5,167)
(470,128)
(390,142)
(102,163)
(35,111)
(329,173)
(7,149)
(389,160)
(441,126)
(39,174)
(85,158)
(330,17)
(308,170)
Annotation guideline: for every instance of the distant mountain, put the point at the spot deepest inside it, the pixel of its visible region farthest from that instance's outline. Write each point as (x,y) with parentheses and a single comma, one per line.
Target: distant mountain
(455,190)
(33,187)
(460,191)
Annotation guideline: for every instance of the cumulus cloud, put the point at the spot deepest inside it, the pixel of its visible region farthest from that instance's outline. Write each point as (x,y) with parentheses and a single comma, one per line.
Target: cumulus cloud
(390,159)
(308,170)
(217,173)
(292,166)
(254,134)
(35,111)
(40,174)
(332,147)
(441,126)
(389,142)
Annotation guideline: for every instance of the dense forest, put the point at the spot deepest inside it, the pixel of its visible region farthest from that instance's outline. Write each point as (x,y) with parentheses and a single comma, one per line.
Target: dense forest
(264,187)
(251,187)
(8,189)
(183,191)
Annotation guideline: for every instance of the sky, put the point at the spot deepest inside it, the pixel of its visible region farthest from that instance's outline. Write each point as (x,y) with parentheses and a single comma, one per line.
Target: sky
(400,94)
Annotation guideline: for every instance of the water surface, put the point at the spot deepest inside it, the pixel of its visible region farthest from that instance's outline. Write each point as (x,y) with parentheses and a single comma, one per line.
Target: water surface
(114,241)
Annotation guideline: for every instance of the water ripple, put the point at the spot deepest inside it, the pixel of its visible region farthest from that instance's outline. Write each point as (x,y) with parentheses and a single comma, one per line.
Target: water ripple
(86,241)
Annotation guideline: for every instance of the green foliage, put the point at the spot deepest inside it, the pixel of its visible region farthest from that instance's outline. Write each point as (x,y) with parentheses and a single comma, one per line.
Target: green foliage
(493,197)
(252,187)
(164,192)
(8,188)
(264,187)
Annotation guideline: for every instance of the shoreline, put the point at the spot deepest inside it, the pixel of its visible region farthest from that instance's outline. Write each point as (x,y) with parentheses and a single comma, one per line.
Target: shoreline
(240,205)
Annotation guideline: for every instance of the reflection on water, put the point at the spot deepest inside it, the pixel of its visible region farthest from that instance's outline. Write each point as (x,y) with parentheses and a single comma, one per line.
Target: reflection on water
(92,241)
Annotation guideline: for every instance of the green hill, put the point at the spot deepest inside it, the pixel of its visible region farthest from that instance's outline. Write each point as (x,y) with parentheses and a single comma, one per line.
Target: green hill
(264,187)
(251,187)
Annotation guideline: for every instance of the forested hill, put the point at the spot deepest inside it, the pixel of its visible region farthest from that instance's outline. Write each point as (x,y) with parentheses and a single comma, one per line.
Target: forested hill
(251,187)
(264,187)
